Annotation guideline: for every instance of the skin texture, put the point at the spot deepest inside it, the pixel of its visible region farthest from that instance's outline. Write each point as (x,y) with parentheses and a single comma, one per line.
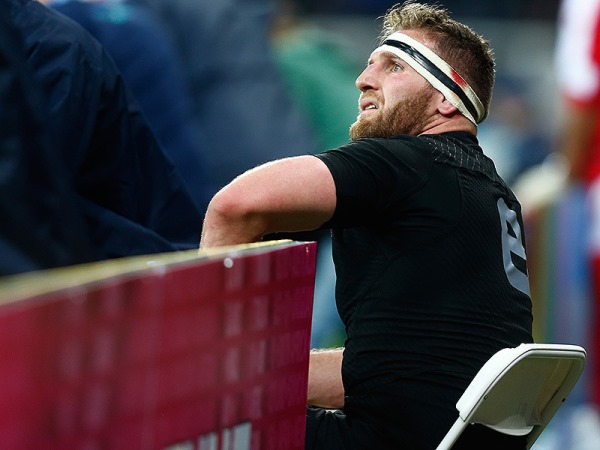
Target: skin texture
(298,193)
(325,388)
(293,194)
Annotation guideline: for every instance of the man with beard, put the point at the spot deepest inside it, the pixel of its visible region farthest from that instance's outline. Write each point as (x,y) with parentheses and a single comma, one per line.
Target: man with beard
(427,241)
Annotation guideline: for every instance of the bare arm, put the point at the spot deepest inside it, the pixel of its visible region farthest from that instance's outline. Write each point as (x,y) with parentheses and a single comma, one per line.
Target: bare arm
(325,388)
(292,194)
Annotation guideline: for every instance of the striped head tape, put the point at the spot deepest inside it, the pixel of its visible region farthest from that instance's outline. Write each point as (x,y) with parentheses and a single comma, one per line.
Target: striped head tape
(438,72)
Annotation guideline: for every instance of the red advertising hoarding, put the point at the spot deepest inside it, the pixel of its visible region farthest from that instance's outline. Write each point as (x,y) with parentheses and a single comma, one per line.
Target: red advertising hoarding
(205,352)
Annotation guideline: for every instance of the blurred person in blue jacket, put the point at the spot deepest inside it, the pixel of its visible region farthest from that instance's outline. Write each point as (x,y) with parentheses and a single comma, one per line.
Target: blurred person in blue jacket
(149,62)
(132,199)
(244,111)
(40,227)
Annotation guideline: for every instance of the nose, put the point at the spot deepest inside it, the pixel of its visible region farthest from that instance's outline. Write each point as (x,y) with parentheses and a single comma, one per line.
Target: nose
(367,80)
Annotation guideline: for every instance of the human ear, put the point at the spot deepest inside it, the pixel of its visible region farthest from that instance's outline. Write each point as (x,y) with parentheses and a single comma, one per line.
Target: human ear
(446,108)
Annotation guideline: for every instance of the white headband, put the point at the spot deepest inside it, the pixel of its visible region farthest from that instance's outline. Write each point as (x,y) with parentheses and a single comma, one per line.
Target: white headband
(438,72)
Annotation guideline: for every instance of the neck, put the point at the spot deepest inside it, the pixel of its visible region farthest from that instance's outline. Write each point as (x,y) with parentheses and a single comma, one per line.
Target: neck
(441,124)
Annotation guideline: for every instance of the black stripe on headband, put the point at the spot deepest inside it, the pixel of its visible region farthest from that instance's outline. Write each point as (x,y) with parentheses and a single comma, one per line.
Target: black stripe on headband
(436,72)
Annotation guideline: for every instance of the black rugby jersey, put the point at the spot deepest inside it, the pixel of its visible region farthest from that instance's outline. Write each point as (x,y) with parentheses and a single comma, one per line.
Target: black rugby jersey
(429,251)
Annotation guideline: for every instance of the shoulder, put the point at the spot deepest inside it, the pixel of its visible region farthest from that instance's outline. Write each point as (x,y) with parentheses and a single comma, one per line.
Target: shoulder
(402,148)
(400,161)
(58,45)
(69,64)
(39,23)
(460,149)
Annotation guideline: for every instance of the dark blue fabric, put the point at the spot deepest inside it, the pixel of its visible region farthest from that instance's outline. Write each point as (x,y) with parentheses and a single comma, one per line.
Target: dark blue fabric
(131,197)
(146,57)
(39,225)
(246,114)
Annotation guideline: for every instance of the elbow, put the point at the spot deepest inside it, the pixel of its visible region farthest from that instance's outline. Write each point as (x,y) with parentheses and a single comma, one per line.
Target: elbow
(234,208)
(230,220)
(224,207)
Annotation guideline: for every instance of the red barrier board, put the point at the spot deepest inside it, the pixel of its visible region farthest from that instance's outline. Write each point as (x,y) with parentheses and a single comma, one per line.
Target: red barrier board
(208,353)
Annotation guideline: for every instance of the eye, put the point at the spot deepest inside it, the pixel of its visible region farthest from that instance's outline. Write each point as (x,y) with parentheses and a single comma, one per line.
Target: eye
(395,66)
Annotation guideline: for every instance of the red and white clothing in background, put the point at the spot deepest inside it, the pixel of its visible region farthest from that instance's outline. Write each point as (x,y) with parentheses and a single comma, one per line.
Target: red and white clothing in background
(578,74)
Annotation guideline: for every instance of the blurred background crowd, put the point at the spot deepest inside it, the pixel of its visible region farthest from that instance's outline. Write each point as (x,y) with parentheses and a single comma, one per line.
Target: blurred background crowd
(221,86)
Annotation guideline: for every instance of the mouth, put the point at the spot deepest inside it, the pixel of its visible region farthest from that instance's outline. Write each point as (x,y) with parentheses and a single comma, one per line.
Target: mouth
(367,105)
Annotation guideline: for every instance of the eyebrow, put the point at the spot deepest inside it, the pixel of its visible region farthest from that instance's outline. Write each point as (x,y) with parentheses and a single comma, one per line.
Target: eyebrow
(390,55)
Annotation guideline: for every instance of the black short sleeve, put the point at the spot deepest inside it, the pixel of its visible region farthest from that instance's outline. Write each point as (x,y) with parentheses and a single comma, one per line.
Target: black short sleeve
(370,178)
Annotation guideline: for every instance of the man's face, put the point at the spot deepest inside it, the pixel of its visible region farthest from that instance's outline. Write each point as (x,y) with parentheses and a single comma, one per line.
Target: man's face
(394,99)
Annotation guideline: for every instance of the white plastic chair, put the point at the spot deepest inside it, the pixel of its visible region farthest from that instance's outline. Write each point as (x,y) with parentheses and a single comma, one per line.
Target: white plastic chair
(518,390)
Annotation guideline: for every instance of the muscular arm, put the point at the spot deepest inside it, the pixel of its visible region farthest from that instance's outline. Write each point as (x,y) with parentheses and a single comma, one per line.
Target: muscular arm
(292,194)
(325,388)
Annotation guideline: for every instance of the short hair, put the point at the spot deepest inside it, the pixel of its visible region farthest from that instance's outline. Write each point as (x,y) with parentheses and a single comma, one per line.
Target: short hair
(461,47)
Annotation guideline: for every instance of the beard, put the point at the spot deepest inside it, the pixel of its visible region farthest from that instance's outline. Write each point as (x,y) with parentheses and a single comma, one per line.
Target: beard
(407,117)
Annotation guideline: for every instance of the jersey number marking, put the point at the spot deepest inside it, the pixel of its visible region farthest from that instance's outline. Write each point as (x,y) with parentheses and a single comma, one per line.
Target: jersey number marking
(512,244)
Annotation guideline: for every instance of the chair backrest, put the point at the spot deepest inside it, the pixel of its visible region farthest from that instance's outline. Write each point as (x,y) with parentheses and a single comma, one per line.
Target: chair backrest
(518,390)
